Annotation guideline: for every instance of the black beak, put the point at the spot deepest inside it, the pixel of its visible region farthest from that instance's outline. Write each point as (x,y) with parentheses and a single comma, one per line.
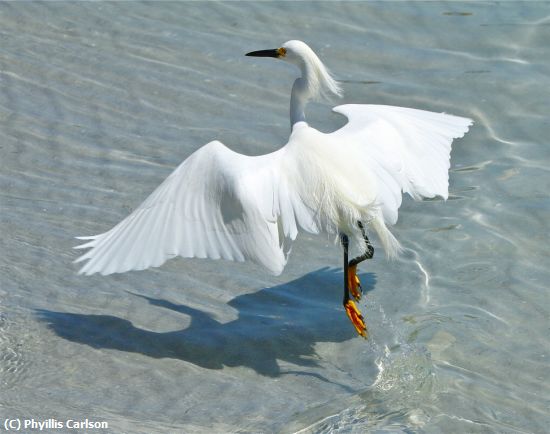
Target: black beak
(265,53)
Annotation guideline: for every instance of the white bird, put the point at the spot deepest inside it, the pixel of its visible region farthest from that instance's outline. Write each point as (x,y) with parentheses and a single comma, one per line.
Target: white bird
(222,204)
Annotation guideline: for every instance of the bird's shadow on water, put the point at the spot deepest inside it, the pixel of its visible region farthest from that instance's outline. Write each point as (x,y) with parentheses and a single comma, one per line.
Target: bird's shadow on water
(283,322)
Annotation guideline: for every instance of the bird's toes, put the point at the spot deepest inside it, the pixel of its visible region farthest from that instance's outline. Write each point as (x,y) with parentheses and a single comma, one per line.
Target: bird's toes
(356,318)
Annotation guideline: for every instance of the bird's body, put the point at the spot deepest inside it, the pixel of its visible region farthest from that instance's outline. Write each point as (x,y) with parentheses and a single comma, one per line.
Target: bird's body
(221,204)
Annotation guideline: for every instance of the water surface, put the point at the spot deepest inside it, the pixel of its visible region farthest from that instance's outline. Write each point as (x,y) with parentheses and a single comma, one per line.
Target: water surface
(100,101)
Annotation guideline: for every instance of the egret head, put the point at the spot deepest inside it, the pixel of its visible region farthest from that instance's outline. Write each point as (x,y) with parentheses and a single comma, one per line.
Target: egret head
(318,80)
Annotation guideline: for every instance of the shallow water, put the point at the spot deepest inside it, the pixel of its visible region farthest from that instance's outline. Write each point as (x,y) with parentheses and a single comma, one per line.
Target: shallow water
(99,101)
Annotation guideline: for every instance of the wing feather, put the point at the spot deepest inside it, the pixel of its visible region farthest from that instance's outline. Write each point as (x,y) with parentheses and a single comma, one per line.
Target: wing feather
(407,150)
(216,204)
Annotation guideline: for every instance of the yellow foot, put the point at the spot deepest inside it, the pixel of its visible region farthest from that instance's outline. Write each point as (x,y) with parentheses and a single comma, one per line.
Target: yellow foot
(354,284)
(356,318)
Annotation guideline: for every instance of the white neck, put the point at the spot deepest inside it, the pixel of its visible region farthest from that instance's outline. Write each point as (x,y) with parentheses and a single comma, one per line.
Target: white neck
(298,101)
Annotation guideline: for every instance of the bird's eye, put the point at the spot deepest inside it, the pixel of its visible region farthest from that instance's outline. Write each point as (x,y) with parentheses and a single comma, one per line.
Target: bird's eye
(281,52)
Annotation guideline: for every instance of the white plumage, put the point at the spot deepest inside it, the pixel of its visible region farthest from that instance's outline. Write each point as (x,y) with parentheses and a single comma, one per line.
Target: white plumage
(221,204)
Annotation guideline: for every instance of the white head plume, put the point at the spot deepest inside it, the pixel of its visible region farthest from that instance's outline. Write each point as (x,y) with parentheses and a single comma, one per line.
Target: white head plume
(319,82)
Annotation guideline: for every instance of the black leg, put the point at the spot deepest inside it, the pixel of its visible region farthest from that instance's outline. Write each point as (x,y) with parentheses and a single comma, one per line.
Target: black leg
(345,243)
(369,253)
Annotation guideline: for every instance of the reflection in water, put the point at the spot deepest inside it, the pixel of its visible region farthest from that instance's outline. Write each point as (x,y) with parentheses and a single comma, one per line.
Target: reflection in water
(278,323)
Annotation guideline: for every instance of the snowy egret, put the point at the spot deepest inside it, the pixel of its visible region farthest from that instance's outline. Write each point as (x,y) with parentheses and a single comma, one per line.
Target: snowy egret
(221,204)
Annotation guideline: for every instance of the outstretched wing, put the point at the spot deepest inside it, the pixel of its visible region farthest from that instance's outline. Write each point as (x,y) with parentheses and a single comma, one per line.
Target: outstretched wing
(216,204)
(407,150)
